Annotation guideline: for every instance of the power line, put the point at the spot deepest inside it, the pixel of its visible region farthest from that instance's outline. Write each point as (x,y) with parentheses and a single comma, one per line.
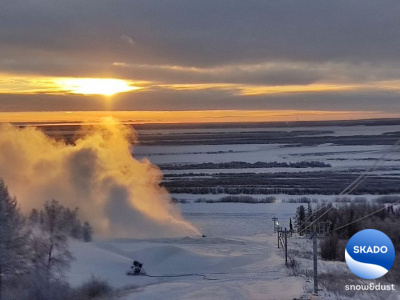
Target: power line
(316,220)
(364,217)
(350,188)
(309,217)
(365,174)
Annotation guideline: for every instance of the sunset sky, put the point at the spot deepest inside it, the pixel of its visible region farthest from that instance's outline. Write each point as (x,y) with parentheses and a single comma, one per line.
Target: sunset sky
(190,61)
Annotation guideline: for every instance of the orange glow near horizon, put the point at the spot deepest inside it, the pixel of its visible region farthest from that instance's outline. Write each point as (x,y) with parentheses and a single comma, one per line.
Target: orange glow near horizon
(22,84)
(254,90)
(96,86)
(29,84)
(205,116)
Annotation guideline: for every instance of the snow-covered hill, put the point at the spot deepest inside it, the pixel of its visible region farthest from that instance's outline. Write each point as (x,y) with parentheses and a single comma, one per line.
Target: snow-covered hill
(194,268)
(241,265)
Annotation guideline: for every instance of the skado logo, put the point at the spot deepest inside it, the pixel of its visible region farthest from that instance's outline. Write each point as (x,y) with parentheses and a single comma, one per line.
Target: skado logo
(370,254)
(364,249)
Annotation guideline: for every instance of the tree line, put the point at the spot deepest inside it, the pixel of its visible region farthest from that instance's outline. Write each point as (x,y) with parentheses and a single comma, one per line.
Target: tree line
(246,165)
(289,183)
(238,199)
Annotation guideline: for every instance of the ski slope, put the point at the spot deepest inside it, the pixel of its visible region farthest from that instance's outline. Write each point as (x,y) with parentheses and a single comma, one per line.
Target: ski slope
(229,264)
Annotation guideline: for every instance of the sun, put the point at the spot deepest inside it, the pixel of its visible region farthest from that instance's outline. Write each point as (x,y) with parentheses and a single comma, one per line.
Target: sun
(96,86)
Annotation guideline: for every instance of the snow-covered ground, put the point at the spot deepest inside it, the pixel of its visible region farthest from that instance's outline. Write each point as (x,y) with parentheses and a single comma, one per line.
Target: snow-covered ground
(333,130)
(339,157)
(238,259)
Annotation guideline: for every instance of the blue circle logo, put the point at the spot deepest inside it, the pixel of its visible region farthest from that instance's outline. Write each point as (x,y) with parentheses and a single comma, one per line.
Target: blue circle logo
(370,254)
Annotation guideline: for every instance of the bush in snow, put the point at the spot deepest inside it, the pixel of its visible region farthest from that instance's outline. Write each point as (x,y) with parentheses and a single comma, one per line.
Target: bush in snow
(92,289)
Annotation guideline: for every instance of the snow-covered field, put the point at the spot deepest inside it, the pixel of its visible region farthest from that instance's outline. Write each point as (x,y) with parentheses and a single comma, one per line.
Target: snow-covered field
(238,258)
(333,130)
(338,156)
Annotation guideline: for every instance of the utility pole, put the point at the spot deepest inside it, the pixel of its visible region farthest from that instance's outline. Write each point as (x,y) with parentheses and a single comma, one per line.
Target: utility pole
(279,236)
(286,233)
(315,256)
(1,282)
(276,223)
(282,241)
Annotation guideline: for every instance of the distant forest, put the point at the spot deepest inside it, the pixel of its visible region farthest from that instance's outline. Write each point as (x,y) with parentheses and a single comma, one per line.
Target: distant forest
(245,165)
(289,137)
(290,183)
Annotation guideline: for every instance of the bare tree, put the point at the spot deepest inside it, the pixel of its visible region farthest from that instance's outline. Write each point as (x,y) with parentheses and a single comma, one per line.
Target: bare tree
(51,255)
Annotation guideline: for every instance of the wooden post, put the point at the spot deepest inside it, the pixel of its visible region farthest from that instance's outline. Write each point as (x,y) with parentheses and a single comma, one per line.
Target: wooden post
(279,241)
(1,281)
(286,233)
(315,256)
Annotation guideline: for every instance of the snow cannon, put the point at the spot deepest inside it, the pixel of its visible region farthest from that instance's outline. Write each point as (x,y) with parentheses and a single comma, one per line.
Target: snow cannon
(136,269)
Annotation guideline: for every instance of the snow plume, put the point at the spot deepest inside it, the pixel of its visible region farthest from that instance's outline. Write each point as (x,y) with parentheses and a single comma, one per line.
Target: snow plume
(117,193)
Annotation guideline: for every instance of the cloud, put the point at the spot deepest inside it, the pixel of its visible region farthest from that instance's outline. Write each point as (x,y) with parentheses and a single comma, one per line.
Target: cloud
(118,194)
(128,40)
(201,42)
(206,33)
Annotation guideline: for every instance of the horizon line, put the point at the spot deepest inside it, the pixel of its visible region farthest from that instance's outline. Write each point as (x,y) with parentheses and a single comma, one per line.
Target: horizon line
(189,116)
